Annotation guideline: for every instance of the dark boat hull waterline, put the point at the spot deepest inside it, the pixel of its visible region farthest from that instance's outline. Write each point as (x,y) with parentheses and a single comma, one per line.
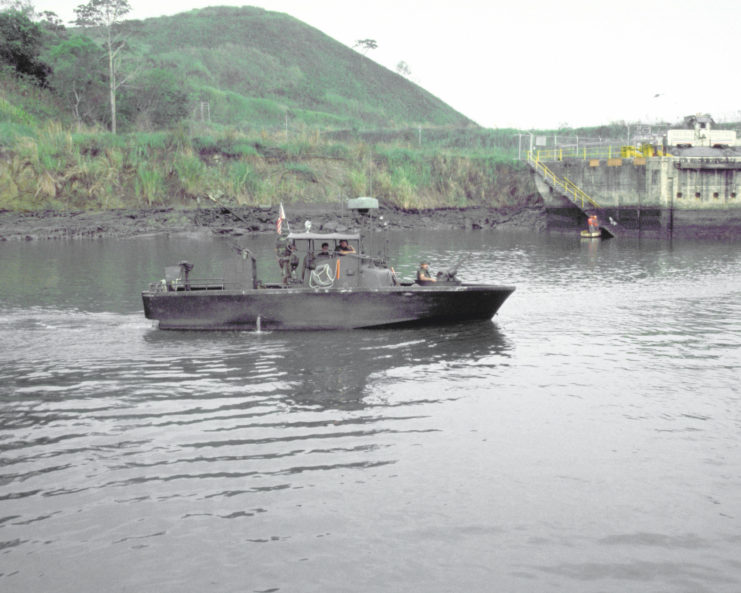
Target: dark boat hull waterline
(328,281)
(302,309)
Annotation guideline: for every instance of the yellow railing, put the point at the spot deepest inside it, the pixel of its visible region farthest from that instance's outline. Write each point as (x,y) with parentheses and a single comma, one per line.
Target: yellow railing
(595,152)
(578,193)
(568,187)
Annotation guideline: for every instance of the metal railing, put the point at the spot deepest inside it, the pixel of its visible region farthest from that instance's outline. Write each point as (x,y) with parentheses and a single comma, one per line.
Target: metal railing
(596,152)
(569,188)
(578,194)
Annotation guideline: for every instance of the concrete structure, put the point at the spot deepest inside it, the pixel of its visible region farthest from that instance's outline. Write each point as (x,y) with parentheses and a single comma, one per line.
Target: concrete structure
(700,133)
(692,190)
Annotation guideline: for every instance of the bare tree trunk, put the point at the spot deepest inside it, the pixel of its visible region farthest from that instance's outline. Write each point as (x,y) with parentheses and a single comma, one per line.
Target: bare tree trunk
(112,89)
(105,15)
(76,106)
(112,82)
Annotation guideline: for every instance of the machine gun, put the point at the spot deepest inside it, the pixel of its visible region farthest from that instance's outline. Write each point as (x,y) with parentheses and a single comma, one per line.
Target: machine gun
(448,276)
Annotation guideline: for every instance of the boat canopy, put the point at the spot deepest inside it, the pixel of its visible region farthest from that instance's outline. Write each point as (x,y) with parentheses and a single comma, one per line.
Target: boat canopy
(363,203)
(323,236)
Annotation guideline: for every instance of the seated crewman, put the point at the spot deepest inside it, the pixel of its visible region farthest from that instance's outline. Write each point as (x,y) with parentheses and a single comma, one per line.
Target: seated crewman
(423,274)
(344,247)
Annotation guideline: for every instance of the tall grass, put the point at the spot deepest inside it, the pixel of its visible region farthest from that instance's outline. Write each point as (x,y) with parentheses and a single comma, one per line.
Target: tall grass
(51,167)
(189,170)
(148,184)
(242,182)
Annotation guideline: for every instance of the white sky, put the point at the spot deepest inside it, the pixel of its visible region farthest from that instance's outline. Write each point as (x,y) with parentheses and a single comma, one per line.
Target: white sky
(534,63)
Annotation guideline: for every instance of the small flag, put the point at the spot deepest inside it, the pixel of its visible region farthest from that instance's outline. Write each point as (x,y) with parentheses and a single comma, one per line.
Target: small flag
(281,218)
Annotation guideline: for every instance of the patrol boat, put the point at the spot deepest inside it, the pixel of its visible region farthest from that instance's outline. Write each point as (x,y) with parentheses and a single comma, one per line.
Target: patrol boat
(319,291)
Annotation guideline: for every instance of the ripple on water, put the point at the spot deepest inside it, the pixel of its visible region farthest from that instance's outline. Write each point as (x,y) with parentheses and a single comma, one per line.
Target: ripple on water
(585,440)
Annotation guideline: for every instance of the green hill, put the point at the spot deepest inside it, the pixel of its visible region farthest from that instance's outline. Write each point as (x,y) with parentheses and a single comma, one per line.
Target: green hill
(240,105)
(246,67)
(255,67)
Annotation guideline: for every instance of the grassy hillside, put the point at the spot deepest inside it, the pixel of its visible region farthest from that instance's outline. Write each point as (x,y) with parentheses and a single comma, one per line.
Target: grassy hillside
(276,111)
(60,169)
(256,67)
(294,116)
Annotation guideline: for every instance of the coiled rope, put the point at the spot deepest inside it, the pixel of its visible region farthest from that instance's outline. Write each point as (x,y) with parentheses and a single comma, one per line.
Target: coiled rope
(321,277)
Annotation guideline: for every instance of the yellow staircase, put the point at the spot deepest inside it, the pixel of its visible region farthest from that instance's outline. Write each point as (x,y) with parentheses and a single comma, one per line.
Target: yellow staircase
(574,193)
(565,186)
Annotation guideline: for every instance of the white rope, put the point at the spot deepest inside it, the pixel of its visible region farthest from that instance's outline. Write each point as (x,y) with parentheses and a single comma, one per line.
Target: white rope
(321,277)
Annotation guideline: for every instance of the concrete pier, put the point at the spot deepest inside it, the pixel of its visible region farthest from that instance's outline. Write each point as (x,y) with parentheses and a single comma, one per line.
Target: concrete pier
(688,183)
(697,192)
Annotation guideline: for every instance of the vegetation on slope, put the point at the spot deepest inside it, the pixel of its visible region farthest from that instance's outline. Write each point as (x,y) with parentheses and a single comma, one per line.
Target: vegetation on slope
(58,168)
(238,105)
(269,93)
(256,68)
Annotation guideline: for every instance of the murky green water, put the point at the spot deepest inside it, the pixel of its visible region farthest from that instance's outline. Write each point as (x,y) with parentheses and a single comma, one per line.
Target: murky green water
(587,439)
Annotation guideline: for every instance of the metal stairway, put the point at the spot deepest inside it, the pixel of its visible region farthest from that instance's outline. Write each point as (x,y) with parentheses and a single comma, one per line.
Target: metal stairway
(577,196)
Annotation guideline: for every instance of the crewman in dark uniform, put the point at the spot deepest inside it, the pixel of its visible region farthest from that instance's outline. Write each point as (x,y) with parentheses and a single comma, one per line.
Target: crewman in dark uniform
(287,257)
(423,274)
(282,253)
(293,260)
(344,248)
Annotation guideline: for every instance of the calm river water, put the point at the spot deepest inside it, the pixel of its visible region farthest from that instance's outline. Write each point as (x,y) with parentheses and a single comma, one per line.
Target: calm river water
(588,439)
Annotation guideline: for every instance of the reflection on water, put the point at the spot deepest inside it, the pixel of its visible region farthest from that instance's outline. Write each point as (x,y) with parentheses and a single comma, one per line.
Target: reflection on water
(586,439)
(332,369)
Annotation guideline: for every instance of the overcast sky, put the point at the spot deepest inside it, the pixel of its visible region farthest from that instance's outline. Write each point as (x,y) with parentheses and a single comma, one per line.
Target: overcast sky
(534,63)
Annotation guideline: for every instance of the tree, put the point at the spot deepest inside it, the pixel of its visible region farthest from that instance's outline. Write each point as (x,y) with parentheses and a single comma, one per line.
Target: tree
(155,99)
(403,69)
(79,77)
(106,16)
(51,21)
(366,44)
(20,45)
(22,6)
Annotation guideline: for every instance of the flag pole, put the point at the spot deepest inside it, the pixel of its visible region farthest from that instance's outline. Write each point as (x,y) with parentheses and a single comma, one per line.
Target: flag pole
(281,219)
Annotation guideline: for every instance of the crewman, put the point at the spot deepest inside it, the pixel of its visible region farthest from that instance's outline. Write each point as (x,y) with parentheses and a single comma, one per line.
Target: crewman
(423,274)
(344,247)
(287,257)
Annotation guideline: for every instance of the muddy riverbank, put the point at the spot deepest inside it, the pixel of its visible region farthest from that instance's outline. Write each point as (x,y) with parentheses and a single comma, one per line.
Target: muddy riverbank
(54,224)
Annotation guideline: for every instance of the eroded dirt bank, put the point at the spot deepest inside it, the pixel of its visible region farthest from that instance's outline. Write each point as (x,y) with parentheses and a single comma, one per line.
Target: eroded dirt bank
(54,224)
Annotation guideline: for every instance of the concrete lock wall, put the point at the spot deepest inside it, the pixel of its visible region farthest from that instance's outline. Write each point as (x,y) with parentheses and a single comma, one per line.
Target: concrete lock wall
(659,193)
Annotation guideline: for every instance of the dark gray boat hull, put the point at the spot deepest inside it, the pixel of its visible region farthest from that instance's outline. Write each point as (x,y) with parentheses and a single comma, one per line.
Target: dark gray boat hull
(308,309)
